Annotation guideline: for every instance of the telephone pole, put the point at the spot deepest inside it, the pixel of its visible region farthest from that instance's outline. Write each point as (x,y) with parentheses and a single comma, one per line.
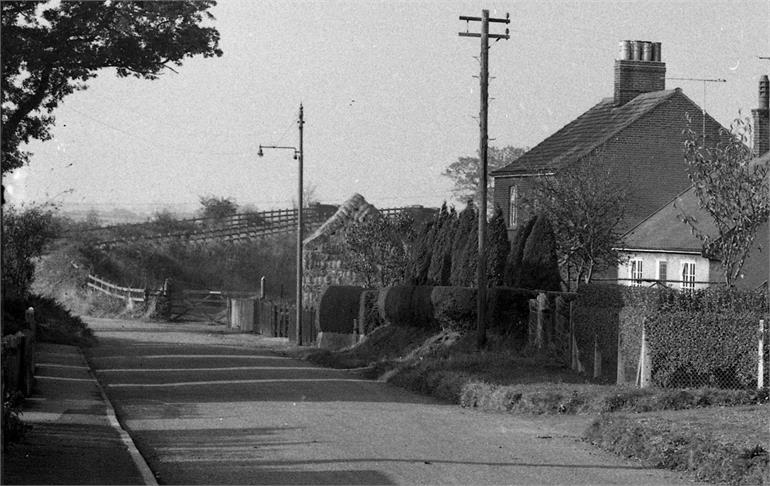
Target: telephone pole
(300,227)
(481,270)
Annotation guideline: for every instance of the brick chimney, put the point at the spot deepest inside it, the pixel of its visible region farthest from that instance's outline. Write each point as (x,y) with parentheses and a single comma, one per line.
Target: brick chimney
(762,118)
(638,70)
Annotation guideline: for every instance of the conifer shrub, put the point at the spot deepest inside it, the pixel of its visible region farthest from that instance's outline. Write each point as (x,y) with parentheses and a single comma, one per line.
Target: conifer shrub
(465,222)
(539,263)
(337,307)
(471,258)
(440,269)
(498,247)
(421,255)
(512,276)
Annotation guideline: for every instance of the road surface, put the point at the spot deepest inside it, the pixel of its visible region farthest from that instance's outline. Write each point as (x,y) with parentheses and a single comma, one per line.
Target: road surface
(205,406)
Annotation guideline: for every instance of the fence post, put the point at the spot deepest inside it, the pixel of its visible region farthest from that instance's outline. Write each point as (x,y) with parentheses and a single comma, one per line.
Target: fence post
(597,358)
(644,370)
(761,356)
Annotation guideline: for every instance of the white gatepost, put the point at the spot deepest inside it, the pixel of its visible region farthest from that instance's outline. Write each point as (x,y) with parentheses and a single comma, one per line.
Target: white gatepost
(761,356)
(644,370)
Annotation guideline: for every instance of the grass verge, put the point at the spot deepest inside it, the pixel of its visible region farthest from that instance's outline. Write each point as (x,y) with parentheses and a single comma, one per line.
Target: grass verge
(718,445)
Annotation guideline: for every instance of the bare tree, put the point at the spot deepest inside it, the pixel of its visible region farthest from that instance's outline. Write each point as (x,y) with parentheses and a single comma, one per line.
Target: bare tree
(732,188)
(585,204)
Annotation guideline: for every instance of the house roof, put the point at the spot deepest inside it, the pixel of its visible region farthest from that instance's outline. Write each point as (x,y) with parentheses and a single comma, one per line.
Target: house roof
(356,208)
(665,230)
(586,133)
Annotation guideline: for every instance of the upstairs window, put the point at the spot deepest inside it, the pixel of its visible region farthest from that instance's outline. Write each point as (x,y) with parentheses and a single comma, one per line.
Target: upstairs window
(513,209)
(636,274)
(688,276)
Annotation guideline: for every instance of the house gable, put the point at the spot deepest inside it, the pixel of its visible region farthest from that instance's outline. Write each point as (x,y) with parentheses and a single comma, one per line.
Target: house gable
(644,146)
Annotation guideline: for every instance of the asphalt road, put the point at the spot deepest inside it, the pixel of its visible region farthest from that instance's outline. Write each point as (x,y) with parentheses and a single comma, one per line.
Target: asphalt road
(205,406)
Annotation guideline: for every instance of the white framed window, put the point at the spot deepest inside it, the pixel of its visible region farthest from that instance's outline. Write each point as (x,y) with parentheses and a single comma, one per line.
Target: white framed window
(635,271)
(513,207)
(688,275)
(662,272)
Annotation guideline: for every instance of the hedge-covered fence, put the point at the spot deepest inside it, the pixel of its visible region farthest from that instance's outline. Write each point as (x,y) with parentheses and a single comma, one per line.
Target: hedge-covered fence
(702,338)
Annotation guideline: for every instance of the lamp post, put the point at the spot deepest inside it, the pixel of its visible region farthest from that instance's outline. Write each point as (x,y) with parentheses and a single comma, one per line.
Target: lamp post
(299,156)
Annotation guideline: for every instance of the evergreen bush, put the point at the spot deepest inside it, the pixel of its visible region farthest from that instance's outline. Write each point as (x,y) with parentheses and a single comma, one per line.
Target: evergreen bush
(460,258)
(539,264)
(512,276)
(499,248)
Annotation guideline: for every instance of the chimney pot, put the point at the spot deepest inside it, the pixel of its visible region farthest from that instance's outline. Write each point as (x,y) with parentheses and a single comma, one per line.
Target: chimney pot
(764,93)
(647,51)
(656,46)
(625,50)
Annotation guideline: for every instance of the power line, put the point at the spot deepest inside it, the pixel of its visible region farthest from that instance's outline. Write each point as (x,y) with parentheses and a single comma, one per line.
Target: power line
(156,145)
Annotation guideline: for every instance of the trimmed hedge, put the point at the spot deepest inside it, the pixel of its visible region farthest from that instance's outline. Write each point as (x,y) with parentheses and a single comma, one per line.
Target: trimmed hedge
(454,308)
(337,308)
(717,349)
(701,338)
(406,306)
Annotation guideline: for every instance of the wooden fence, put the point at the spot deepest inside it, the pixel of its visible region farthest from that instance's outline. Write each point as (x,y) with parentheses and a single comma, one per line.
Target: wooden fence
(130,295)
(242,226)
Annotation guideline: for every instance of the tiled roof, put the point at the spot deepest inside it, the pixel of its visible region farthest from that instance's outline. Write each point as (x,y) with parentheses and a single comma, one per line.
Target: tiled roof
(356,208)
(665,230)
(584,134)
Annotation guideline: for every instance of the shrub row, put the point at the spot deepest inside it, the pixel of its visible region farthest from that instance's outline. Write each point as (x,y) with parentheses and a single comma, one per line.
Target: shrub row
(454,307)
(422,306)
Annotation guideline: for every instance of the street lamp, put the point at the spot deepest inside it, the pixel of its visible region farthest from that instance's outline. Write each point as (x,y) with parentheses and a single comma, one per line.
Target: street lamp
(299,156)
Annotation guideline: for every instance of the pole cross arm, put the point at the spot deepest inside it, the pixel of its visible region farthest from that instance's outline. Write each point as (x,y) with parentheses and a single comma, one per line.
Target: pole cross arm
(491,36)
(506,20)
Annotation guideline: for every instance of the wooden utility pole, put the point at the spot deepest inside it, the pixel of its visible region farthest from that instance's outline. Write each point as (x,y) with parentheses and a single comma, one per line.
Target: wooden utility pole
(481,270)
(301,123)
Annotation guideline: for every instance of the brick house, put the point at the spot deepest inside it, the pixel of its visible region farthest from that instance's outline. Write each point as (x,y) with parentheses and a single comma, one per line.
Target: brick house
(638,131)
(662,248)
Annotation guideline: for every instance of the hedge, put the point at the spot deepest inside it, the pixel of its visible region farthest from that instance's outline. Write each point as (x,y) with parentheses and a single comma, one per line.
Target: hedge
(701,338)
(337,308)
(693,349)
(406,306)
(454,308)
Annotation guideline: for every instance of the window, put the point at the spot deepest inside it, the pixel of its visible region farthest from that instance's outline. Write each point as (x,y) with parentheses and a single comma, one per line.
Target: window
(636,273)
(513,210)
(688,276)
(662,271)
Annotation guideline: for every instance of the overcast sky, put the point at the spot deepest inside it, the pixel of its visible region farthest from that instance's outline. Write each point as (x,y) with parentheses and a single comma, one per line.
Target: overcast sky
(389,94)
